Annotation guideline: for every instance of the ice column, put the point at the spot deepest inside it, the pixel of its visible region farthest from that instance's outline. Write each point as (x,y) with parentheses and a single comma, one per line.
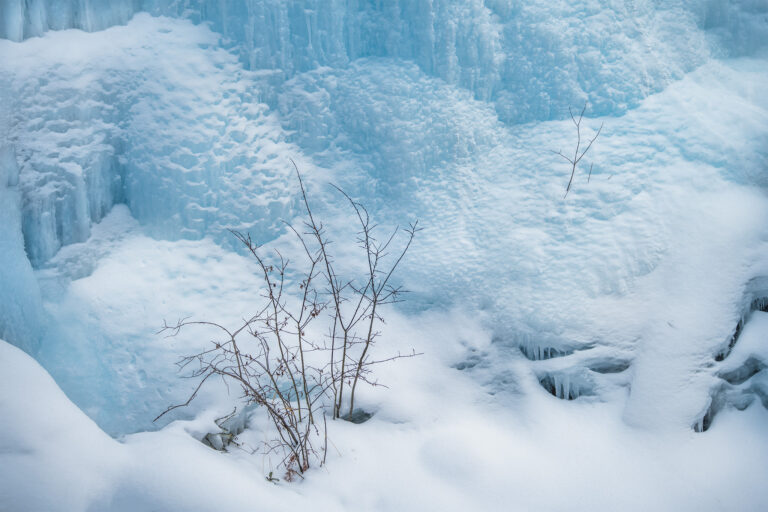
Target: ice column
(20,303)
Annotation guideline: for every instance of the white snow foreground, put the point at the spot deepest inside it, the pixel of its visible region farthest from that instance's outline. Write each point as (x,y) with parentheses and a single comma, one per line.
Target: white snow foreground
(54,458)
(415,454)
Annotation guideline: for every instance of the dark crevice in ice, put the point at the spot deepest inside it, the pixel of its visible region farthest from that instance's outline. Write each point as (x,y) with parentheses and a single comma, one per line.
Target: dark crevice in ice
(717,402)
(565,386)
(609,365)
(739,375)
(759,303)
(535,352)
(732,393)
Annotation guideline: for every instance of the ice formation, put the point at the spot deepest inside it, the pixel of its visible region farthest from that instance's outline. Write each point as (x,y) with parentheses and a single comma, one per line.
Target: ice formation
(105,119)
(136,132)
(530,60)
(21,312)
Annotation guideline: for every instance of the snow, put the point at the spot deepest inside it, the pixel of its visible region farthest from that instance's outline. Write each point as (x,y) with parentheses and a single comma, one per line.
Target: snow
(530,60)
(125,285)
(128,149)
(415,453)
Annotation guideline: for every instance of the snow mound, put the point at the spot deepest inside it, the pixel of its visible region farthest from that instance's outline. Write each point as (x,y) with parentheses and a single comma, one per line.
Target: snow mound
(414,454)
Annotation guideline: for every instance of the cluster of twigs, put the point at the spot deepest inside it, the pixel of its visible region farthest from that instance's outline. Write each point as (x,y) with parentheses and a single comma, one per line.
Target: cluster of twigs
(294,376)
(580,150)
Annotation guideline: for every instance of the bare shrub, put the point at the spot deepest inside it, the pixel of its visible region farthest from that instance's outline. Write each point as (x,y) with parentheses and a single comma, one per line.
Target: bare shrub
(293,376)
(578,153)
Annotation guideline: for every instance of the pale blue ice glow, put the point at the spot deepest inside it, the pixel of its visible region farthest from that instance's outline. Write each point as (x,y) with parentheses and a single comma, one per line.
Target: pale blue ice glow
(187,113)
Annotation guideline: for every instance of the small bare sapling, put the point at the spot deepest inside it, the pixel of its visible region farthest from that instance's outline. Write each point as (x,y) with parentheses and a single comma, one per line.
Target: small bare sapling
(580,150)
(303,354)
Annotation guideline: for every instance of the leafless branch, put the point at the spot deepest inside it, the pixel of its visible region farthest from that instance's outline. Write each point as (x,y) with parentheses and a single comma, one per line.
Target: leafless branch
(291,375)
(578,153)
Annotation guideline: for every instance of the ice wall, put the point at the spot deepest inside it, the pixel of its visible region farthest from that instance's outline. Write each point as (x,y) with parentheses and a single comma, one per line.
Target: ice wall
(65,135)
(741,26)
(21,307)
(152,120)
(531,60)
(527,61)
(21,19)
(222,156)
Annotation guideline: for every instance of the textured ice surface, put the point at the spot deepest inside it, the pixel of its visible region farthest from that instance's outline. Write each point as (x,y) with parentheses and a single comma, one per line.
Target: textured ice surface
(530,60)
(156,117)
(627,288)
(21,311)
(527,61)
(548,324)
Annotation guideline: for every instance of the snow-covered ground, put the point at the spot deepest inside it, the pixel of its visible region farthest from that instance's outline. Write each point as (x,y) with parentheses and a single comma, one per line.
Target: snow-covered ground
(604,351)
(438,441)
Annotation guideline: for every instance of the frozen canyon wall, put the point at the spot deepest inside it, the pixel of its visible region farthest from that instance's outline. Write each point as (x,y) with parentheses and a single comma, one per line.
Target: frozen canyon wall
(153,120)
(530,62)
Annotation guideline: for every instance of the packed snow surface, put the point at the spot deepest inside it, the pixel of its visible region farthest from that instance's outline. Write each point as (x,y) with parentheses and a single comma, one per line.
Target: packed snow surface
(606,350)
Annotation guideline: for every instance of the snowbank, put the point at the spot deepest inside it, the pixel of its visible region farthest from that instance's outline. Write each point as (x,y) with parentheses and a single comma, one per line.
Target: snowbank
(415,454)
